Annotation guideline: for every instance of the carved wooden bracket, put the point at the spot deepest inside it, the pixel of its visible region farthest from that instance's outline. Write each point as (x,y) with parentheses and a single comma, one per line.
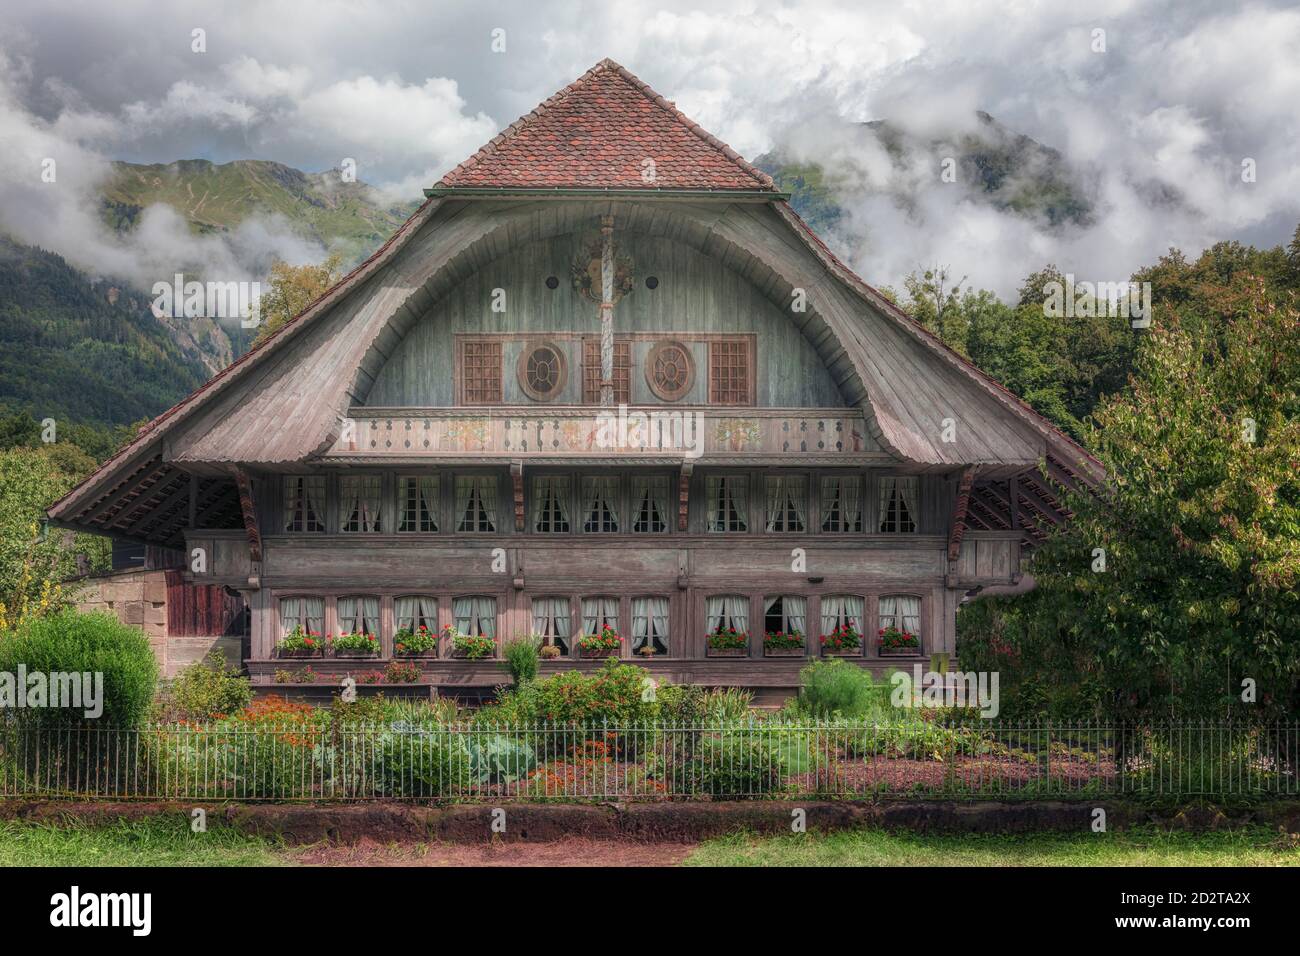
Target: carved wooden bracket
(251,527)
(958,528)
(517,479)
(684,495)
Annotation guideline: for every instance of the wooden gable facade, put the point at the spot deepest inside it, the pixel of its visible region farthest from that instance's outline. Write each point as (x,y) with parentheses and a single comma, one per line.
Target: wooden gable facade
(604,375)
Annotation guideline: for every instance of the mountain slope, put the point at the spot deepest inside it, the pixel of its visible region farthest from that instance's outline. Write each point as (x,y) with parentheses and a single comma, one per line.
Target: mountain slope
(352,217)
(76,350)
(1008,170)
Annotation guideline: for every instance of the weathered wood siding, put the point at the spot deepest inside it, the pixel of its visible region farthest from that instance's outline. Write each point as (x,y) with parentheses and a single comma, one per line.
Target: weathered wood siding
(696,294)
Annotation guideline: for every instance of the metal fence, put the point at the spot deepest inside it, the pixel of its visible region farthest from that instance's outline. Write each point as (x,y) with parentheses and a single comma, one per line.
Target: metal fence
(759,759)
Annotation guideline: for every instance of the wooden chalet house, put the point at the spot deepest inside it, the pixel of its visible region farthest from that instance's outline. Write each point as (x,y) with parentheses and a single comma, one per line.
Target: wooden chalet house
(604,375)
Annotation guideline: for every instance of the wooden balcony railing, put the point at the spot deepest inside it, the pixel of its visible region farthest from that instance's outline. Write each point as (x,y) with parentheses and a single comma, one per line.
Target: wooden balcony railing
(573,433)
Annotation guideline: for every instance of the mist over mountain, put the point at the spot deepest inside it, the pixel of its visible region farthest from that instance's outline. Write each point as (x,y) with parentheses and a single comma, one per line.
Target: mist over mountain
(987,164)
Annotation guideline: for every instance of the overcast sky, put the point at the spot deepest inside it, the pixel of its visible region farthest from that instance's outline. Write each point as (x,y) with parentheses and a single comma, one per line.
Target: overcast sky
(1183,92)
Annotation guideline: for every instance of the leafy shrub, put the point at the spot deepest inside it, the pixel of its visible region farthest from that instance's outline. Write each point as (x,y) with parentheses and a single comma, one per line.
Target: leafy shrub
(206,690)
(415,761)
(683,705)
(521,657)
(726,704)
(836,688)
(74,643)
(736,765)
(614,694)
(497,758)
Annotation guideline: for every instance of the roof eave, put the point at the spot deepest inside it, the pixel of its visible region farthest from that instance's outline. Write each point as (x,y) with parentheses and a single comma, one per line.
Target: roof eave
(535,192)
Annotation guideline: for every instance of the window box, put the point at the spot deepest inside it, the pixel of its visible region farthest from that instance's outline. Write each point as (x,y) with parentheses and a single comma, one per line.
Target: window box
(471,647)
(355,645)
(605,644)
(418,643)
(727,642)
(783,644)
(843,641)
(300,643)
(891,642)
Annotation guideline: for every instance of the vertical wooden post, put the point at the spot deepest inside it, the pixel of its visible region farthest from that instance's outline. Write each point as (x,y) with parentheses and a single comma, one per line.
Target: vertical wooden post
(606,311)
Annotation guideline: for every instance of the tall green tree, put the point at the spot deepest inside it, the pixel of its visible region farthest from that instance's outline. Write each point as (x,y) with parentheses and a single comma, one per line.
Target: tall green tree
(1199,524)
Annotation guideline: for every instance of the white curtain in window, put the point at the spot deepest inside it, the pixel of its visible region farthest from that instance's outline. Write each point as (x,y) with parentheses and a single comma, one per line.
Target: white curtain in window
(726,495)
(418,500)
(369,497)
(429,612)
(830,494)
(550,501)
(411,611)
(291,615)
(370,614)
(464,489)
(907,490)
(902,611)
(640,623)
(462,609)
(599,496)
(487,490)
(404,612)
(350,502)
(309,613)
(650,503)
(347,612)
(599,611)
(713,496)
(659,620)
(886,494)
(714,608)
(775,503)
(485,610)
(650,621)
(293,510)
(796,492)
(796,612)
(840,609)
(736,609)
(851,503)
(314,488)
(551,619)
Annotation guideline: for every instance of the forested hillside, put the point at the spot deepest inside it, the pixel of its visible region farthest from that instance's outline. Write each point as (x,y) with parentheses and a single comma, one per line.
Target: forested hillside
(76,350)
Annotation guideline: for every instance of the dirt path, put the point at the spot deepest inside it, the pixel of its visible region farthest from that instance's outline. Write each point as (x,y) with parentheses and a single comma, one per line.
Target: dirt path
(560,853)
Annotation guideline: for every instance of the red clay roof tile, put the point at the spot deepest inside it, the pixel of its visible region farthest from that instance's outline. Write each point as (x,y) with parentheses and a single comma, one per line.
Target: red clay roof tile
(597,133)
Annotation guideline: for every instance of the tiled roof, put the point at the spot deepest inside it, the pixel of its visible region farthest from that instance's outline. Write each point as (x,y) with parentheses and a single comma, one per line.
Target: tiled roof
(597,133)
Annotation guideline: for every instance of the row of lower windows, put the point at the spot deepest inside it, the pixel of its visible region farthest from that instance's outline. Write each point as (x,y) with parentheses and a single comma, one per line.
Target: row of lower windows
(600,507)
(552,616)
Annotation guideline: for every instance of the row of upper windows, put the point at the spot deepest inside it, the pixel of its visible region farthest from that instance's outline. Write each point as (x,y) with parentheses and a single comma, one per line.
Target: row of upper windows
(553,621)
(597,505)
(542,370)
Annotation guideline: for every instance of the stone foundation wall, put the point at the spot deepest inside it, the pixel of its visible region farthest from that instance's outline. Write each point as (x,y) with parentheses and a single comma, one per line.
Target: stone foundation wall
(139,598)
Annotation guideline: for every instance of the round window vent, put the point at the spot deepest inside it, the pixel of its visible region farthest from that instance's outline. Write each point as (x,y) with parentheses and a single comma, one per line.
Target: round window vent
(652,282)
(552,282)
(670,370)
(542,371)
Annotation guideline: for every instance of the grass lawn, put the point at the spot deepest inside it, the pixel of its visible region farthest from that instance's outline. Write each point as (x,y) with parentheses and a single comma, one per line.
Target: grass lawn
(170,843)
(1141,847)
(154,843)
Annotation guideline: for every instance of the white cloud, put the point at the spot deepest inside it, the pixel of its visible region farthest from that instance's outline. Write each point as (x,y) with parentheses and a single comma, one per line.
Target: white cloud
(1184,91)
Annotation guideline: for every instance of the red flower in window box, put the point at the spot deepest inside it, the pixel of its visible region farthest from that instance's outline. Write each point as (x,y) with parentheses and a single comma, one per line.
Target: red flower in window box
(893,639)
(845,639)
